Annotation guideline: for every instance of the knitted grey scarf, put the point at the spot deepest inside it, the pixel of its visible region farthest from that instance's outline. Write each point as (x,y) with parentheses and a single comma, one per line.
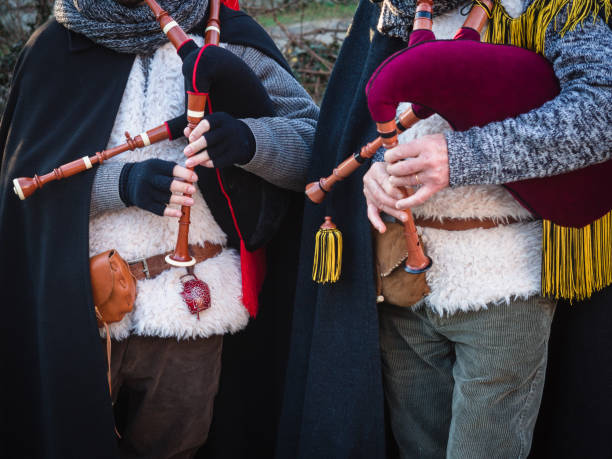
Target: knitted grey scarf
(123,29)
(397,16)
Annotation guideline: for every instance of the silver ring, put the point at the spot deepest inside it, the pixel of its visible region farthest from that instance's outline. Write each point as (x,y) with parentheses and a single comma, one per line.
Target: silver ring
(418,182)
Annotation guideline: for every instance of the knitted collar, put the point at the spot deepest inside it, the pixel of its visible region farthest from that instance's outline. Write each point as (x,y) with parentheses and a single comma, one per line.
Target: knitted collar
(123,29)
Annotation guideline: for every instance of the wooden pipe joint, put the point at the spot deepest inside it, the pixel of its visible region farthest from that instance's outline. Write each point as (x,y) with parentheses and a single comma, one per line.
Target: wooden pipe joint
(423,18)
(24,187)
(479,15)
(132,145)
(323,185)
(196,105)
(388,133)
(419,268)
(315,192)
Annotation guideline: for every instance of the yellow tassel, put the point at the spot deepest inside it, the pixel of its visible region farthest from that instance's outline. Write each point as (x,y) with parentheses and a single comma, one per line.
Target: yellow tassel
(529,29)
(576,262)
(328,253)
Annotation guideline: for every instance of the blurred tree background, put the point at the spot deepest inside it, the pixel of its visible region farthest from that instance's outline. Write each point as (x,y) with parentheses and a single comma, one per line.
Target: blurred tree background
(309,32)
(17,22)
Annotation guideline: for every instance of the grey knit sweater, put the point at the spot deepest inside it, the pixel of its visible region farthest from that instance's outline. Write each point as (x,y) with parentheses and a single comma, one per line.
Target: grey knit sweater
(283,143)
(571,131)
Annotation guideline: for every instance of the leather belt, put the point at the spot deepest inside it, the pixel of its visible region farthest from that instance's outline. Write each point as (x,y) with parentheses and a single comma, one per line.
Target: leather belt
(462,224)
(148,268)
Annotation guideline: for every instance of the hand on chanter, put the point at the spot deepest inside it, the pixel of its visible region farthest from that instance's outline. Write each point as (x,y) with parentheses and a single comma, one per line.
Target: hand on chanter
(155,185)
(219,140)
(421,163)
(381,195)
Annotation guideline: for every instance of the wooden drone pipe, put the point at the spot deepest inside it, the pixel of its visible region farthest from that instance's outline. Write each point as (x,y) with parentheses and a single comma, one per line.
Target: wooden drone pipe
(169,26)
(24,187)
(476,19)
(316,191)
(423,18)
(479,16)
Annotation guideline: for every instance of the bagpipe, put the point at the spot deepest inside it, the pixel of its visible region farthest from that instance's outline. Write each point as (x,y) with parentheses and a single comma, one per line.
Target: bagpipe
(233,190)
(470,84)
(24,187)
(327,263)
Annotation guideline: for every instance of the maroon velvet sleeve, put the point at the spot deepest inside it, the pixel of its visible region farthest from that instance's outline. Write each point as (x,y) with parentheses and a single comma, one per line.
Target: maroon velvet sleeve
(420,35)
(467,33)
(574,199)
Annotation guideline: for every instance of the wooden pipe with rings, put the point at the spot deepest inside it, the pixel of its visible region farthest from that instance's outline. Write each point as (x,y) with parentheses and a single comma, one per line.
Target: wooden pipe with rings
(476,19)
(196,106)
(416,260)
(423,17)
(316,191)
(24,187)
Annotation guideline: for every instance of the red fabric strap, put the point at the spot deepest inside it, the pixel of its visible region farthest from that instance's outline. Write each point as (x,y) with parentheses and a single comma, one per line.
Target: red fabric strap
(233,4)
(252,264)
(195,67)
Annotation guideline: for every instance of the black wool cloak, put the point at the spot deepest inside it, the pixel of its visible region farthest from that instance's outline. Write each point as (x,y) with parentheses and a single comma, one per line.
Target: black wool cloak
(64,98)
(333,405)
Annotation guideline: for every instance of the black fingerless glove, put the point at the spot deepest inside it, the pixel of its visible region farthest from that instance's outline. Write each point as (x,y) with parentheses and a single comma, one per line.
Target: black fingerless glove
(147,184)
(233,86)
(229,141)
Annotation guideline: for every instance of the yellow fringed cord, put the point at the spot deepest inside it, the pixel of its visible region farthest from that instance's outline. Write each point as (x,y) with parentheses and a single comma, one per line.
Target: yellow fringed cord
(327,263)
(576,262)
(529,29)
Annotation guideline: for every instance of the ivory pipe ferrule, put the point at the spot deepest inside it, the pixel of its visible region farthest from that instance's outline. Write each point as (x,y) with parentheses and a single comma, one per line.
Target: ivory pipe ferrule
(169,26)
(17,189)
(180,264)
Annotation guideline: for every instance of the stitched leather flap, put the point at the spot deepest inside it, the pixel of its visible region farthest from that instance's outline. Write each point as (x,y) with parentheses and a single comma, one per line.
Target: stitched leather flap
(124,277)
(390,248)
(101,277)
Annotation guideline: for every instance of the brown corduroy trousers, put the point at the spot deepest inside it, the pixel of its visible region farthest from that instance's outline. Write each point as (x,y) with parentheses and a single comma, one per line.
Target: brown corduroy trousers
(165,390)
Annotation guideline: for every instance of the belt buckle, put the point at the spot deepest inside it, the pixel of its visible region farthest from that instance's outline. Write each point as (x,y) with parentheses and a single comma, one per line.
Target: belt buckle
(145,266)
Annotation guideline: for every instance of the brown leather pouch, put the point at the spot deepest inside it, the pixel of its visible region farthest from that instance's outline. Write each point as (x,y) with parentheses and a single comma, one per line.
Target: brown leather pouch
(113,287)
(393,284)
